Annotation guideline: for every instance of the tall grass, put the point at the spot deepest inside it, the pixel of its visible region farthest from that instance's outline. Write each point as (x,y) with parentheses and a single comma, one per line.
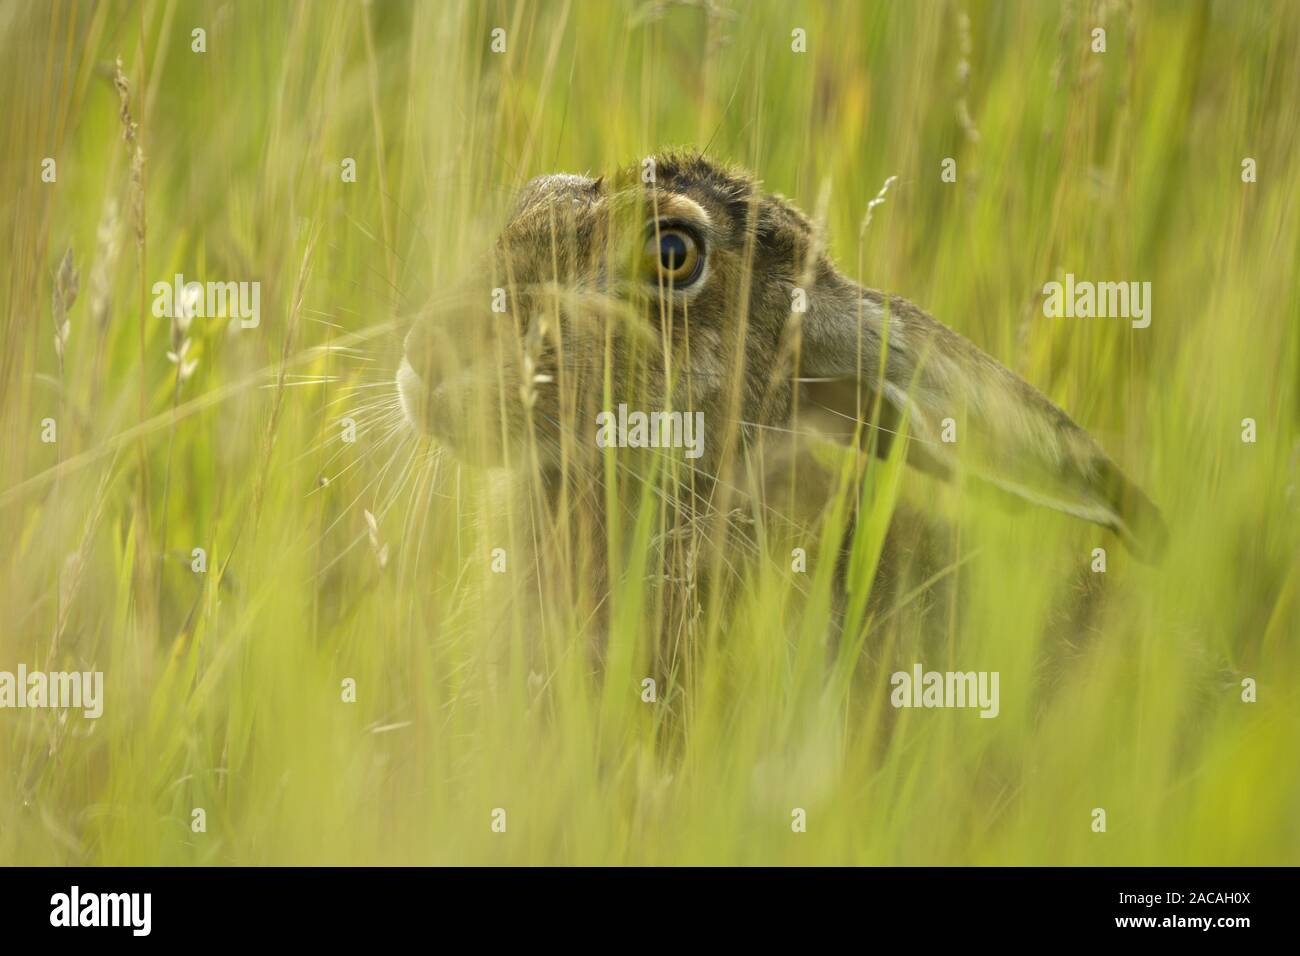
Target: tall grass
(477,691)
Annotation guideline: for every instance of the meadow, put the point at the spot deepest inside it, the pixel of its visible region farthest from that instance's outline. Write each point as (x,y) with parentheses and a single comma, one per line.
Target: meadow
(307,656)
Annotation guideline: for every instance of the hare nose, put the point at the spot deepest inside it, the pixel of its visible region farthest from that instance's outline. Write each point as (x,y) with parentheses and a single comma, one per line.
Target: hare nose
(421,352)
(420,374)
(440,380)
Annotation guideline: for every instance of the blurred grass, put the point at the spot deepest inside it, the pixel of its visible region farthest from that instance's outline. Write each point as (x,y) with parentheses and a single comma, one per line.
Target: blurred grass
(223,689)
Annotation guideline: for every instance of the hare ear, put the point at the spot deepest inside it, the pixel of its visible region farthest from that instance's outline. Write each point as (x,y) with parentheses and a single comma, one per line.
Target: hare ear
(966,412)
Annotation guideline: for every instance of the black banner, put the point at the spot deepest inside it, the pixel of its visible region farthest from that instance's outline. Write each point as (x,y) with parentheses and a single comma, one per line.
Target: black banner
(336,905)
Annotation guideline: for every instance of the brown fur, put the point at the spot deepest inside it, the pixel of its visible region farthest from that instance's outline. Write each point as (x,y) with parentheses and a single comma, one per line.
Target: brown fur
(730,346)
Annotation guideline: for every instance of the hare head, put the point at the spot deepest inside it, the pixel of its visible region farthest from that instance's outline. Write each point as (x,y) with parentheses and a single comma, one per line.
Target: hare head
(678,284)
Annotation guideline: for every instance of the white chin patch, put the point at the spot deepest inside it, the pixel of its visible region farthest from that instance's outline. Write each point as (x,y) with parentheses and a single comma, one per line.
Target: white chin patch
(410,391)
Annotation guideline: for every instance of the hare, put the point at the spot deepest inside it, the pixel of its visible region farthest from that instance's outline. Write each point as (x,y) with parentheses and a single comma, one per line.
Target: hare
(675,284)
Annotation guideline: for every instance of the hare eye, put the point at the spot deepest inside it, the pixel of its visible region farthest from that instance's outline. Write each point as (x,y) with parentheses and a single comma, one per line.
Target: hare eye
(673,256)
